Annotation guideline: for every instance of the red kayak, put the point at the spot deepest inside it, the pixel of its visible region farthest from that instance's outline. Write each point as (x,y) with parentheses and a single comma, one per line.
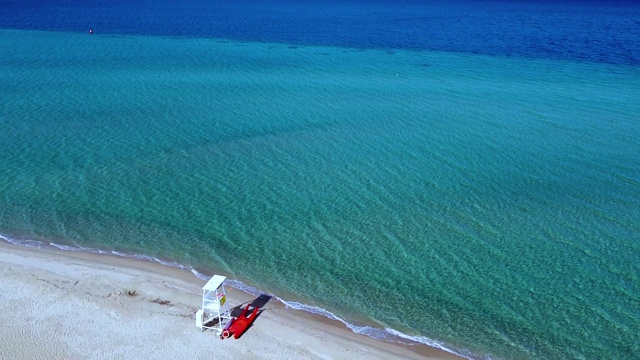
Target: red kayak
(239,325)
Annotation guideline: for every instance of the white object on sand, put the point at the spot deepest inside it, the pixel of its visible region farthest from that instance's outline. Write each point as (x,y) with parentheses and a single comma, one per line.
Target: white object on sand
(215,311)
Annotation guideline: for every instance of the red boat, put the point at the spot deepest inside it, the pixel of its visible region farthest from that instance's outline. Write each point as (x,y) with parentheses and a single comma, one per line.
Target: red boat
(237,326)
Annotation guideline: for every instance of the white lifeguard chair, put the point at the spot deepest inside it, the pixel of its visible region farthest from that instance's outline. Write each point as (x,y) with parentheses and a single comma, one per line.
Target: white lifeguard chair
(215,311)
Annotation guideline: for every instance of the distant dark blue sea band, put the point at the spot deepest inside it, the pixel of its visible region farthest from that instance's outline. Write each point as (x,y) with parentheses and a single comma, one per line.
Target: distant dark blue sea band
(593,31)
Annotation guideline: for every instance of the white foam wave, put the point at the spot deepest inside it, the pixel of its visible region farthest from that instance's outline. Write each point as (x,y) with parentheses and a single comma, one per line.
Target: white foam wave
(27,242)
(387,334)
(244,287)
(199,275)
(65,247)
(432,343)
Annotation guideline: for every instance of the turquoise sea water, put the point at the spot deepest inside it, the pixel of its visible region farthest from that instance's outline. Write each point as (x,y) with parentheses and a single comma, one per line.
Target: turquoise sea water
(487,204)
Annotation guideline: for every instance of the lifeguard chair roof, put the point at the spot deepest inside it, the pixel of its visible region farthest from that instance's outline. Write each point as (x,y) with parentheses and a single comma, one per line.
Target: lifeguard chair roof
(214,282)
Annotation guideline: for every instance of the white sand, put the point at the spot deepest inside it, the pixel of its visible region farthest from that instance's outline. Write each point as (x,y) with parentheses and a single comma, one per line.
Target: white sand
(70,305)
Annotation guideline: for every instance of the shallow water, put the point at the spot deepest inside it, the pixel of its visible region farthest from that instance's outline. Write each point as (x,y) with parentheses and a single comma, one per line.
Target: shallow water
(483,202)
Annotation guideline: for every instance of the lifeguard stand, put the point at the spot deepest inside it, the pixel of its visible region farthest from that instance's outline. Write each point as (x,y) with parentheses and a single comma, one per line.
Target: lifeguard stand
(215,311)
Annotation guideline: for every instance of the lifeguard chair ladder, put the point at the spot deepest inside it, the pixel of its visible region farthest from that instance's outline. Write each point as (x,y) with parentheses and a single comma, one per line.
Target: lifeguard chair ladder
(215,311)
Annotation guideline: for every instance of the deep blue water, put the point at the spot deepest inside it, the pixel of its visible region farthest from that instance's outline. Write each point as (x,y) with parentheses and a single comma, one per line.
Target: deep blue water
(596,31)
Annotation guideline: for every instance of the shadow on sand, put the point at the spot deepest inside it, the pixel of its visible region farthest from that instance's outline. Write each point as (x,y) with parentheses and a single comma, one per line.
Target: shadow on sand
(258,302)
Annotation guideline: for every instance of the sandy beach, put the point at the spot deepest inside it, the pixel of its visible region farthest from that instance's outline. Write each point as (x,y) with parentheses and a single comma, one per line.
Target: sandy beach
(58,304)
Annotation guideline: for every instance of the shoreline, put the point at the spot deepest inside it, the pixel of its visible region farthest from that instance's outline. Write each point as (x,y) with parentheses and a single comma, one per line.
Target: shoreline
(95,288)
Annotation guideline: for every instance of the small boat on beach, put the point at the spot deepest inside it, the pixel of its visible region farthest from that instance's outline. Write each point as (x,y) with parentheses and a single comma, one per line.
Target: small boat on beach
(237,326)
